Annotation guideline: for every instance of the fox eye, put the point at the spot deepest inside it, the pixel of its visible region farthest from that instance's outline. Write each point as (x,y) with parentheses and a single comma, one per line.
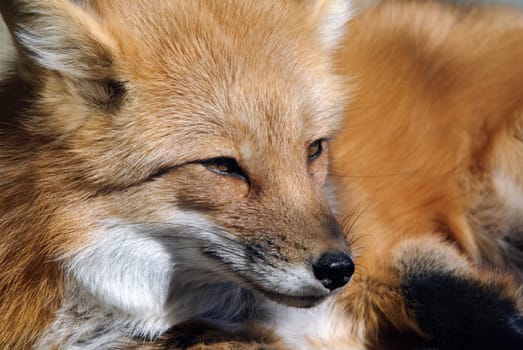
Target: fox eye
(224,166)
(315,150)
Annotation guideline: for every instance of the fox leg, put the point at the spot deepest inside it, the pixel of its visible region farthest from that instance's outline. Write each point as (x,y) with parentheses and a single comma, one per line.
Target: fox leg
(456,304)
(434,298)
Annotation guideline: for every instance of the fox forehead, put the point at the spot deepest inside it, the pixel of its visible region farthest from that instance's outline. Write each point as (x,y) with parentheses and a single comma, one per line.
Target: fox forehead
(246,76)
(201,79)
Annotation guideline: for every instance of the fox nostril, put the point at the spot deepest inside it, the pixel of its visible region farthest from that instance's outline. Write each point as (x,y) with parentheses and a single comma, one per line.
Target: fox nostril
(333,269)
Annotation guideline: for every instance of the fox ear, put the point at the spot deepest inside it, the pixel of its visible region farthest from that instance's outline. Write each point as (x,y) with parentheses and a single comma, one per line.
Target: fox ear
(331,17)
(59,35)
(63,36)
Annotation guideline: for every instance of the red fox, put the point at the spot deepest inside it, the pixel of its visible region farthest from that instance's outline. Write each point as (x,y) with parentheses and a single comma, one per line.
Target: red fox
(163,167)
(164,162)
(429,170)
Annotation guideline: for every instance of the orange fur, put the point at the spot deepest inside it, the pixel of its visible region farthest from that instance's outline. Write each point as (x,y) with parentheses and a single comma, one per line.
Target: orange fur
(435,90)
(115,108)
(435,114)
(136,135)
(435,111)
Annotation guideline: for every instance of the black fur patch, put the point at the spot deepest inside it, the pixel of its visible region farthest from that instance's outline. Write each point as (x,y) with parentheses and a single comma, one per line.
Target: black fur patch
(458,313)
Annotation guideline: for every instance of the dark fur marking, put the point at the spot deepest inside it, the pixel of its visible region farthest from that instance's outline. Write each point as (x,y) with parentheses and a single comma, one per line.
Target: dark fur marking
(458,313)
(15,92)
(256,252)
(193,333)
(106,95)
(515,239)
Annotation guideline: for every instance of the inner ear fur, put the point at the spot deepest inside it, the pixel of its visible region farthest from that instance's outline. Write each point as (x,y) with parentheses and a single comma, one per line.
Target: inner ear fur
(67,38)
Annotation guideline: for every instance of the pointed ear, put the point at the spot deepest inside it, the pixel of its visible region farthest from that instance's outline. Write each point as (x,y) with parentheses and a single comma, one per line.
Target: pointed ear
(331,17)
(60,36)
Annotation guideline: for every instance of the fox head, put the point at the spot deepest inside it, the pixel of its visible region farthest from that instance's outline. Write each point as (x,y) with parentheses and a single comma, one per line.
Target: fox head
(170,145)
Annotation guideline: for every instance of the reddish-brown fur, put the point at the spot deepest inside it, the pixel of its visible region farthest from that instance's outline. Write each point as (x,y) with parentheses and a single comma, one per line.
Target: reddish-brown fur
(435,88)
(436,110)
(107,96)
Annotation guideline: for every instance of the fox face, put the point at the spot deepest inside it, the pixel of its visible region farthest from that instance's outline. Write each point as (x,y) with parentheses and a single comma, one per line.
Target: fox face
(172,146)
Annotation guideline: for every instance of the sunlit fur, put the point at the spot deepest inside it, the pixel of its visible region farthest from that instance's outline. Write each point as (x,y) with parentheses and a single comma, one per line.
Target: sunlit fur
(112,228)
(429,163)
(432,133)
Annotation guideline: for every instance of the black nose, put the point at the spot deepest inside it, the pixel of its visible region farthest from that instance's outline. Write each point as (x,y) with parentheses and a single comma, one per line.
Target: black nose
(333,269)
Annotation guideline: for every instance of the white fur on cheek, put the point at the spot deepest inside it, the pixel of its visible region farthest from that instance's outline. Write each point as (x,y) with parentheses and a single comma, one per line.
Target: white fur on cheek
(126,271)
(142,272)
